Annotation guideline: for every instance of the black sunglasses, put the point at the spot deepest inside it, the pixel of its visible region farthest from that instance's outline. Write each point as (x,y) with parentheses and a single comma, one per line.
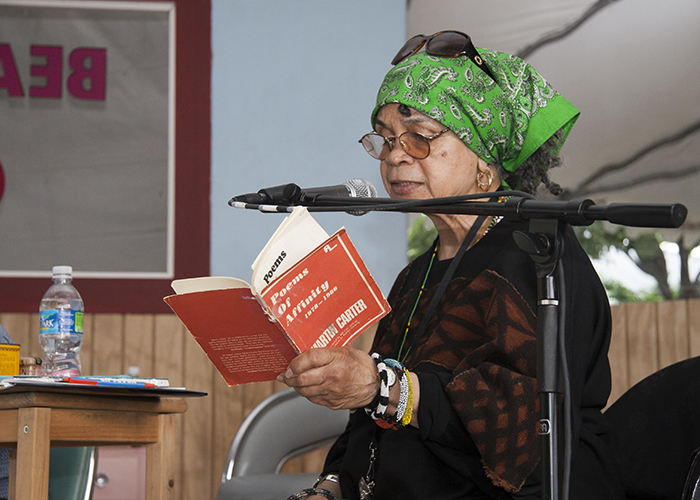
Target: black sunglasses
(443,44)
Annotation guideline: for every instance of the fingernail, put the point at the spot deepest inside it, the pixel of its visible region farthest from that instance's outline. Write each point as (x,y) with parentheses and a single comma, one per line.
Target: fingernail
(289,373)
(280,378)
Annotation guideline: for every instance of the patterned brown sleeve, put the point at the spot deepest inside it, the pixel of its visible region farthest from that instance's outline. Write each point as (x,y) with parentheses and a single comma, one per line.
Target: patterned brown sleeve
(495,390)
(485,332)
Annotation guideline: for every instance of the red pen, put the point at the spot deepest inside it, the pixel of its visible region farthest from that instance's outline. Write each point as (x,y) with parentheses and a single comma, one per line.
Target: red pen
(71,380)
(133,384)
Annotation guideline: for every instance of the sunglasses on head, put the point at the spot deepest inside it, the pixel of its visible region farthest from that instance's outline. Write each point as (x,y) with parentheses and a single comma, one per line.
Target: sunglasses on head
(443,44)
(415,144)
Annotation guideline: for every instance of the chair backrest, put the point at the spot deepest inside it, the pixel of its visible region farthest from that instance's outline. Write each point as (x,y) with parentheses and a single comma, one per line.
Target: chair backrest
(71,472)
(282,426)
(691,489)
(656,429)
(4,468)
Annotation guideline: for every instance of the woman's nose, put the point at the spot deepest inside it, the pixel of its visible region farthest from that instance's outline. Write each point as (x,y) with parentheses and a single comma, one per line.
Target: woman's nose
(397,154)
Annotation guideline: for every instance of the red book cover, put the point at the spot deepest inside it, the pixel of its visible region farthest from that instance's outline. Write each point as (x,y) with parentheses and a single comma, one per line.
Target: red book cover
(327,298)
(237,336)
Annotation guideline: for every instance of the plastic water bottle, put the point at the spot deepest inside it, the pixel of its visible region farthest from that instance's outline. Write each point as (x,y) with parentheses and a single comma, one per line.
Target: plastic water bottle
(61,325)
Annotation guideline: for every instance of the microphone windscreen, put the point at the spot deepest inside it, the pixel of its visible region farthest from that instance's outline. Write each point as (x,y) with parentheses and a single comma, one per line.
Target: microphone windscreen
(360,188)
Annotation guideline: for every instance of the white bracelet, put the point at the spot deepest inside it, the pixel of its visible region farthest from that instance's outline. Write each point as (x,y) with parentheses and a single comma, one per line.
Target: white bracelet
(378,411)
(405,390)
(331,476)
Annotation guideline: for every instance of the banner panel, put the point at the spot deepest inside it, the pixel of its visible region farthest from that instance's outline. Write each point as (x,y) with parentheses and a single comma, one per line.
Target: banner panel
(91,168)
(86,141)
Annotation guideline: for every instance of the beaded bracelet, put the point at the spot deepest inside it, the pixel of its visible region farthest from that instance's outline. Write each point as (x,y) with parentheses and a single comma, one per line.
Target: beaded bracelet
(390,421)
(404,385)
(408,415)
(309,492)
(403,399)
(375,400)
(378,412)
(404,410)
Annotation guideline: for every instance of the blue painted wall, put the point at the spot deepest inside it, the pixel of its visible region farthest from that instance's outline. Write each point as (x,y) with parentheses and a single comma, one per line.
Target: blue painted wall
(293,85)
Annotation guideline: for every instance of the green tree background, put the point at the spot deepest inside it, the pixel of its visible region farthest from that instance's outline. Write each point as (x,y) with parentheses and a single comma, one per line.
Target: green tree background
(597,240)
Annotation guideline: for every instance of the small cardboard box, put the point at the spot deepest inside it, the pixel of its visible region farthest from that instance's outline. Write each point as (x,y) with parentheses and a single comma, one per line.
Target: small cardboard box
(9,359)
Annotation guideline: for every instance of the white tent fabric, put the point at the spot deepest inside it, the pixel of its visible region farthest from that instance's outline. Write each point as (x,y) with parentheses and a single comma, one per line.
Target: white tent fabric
(632,68)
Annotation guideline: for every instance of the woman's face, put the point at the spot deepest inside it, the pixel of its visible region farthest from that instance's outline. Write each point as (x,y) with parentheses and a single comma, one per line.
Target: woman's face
(449,170)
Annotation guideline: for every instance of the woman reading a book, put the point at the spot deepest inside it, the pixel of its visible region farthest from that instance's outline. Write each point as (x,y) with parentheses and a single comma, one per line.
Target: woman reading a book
(446,405)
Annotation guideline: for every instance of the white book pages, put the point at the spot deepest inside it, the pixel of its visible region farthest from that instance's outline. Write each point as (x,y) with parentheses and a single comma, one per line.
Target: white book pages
(190,285)
(293,240)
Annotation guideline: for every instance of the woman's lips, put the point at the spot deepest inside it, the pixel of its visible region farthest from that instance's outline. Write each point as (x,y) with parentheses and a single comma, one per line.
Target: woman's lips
(403,187)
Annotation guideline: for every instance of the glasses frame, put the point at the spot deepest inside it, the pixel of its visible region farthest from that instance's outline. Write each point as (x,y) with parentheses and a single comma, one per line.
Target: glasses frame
(391,141)
(416,43)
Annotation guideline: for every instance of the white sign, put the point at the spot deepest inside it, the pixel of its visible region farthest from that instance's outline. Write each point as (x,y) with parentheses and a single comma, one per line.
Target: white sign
(87,138)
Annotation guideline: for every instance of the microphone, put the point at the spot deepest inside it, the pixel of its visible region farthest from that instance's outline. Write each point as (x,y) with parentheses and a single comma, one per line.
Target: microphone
(293,194)
(354,188)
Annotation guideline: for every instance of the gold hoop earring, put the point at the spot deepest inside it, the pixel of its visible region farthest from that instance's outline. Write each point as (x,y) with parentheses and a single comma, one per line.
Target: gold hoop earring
(483,185)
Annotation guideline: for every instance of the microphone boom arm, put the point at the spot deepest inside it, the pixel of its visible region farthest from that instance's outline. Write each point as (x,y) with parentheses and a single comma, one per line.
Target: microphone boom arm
(574,212)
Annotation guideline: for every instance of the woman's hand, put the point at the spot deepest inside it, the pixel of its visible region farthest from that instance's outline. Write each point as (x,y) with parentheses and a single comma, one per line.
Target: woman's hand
(336,377)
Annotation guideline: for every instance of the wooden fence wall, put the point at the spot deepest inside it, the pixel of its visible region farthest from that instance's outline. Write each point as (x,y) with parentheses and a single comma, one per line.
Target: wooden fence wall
(649,336)
(646,338)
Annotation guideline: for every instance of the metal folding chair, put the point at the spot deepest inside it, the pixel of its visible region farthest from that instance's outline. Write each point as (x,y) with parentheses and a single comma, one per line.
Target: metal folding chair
(281,427)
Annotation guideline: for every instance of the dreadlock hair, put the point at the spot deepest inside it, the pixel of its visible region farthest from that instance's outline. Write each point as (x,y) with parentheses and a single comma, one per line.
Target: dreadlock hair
(535,170)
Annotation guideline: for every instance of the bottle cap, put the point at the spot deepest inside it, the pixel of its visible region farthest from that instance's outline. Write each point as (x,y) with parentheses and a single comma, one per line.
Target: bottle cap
(62,271)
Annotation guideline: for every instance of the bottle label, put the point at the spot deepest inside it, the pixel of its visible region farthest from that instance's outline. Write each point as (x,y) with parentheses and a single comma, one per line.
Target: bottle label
(60,321)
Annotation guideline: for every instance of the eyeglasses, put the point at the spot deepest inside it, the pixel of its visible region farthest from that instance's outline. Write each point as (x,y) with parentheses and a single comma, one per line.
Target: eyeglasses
(415,144)
(443,44)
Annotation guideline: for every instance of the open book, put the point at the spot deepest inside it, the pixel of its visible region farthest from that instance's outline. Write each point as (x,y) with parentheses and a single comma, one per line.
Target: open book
(308,290)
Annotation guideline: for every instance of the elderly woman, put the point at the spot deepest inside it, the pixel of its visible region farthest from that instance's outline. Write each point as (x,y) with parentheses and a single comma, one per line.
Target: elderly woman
(446,405)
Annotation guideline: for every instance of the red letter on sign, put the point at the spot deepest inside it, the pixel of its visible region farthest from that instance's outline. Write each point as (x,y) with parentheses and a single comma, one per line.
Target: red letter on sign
(96,73)
(10,77)
(53,71)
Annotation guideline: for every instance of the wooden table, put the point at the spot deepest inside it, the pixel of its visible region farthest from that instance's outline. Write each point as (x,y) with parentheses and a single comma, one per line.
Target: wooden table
(31,421)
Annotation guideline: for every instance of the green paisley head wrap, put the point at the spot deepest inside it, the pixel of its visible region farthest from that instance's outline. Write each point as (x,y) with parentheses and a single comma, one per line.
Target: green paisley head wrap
(503,122)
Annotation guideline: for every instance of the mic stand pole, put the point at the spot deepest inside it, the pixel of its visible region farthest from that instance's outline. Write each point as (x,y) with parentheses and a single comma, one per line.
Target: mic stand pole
(544,244)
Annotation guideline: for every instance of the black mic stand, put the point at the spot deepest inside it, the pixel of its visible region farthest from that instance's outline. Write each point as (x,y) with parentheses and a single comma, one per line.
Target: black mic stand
(544,243)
